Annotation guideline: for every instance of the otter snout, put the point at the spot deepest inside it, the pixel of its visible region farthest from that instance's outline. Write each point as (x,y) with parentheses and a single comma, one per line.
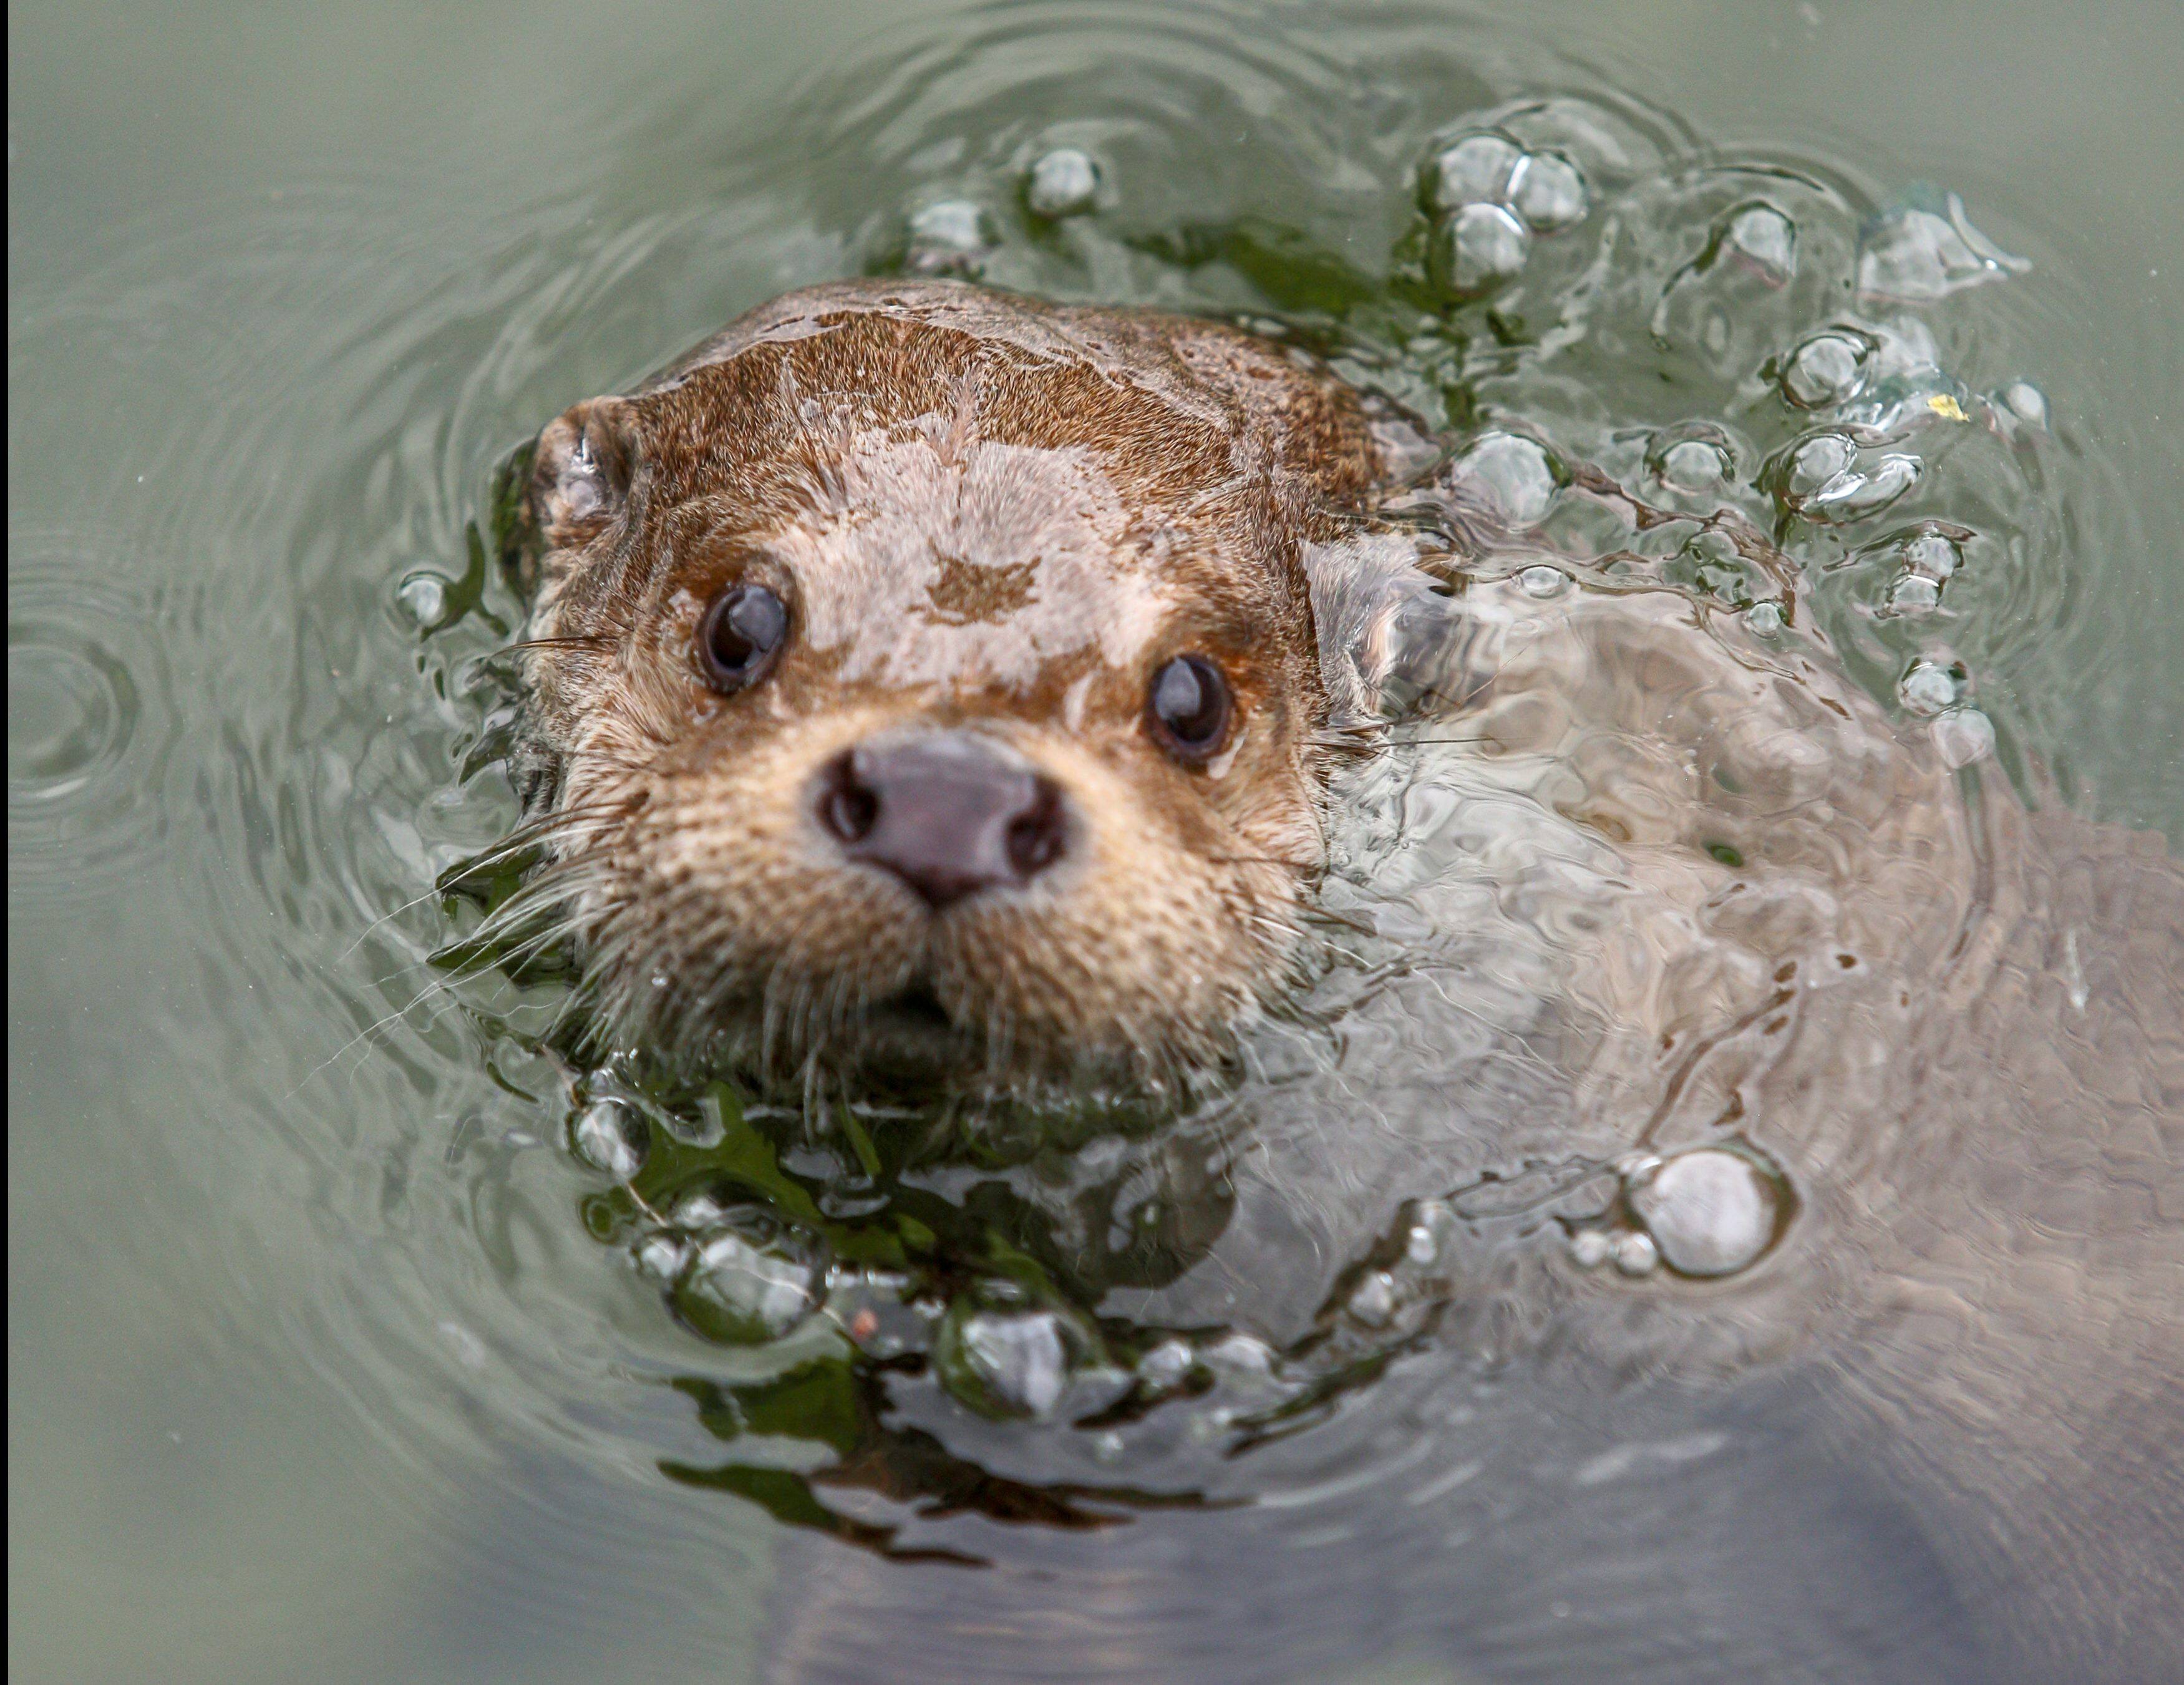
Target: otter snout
(948,812)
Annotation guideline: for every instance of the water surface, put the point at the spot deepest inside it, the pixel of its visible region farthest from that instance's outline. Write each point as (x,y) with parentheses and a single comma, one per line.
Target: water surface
(321,1352)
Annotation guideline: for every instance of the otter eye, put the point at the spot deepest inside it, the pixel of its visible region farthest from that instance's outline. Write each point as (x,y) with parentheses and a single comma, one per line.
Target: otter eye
(1189,705)
(740,635)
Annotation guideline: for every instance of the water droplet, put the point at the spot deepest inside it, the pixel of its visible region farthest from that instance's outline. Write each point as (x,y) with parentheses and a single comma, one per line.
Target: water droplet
(1547,191)
(1964,735)
(1511,476)
(1711,1211)
(1005,1362)
(1826,369)
(1765,240)
(1473,169)
(1063,182)
(1478,249)
(1926,250)
(751,1279)
(1634,1253)
(1542,581)
(1927,689)
(610,1137)
(423,595)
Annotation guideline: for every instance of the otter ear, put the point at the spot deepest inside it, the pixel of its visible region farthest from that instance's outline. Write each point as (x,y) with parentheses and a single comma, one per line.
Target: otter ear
(1388,623)
(581,471)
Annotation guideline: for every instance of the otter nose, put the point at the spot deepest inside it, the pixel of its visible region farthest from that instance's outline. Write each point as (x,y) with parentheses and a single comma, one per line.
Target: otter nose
(948,812)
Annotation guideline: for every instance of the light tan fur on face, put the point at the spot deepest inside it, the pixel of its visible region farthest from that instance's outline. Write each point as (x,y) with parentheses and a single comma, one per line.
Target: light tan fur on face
(984,515)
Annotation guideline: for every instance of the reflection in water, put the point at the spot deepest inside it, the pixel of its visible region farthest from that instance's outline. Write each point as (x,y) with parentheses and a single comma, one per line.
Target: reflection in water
(1565,1289)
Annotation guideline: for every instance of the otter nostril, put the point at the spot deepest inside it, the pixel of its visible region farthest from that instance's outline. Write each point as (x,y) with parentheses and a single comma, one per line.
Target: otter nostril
(846,806)
(1036,836)
(947,813)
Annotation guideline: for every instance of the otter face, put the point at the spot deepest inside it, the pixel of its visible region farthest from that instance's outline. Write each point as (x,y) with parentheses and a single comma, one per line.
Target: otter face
(915,697)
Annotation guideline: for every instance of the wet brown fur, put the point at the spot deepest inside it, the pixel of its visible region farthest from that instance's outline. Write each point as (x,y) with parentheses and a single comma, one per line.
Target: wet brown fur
(981,510)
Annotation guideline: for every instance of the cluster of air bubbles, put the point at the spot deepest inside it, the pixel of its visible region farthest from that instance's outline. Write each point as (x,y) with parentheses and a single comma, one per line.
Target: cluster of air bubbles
(1062,182)
(1962,734)
(1704,1212)
(1923,562)
(1509,476)
(1488,196)
(1831,477)
(950,236)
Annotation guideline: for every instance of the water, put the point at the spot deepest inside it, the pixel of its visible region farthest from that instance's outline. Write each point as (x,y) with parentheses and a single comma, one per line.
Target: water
(332,1339)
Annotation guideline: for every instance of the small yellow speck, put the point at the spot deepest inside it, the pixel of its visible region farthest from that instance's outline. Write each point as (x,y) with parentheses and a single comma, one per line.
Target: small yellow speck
(1942,405)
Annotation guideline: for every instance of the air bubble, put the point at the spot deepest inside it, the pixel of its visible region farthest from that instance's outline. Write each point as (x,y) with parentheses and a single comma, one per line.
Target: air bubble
(1375,1300)
(1691,463)
(1766,240)
(947,237)
(1711,1211)
(608,1137)
(1004,1364)
(662,1257)
(1828,479)
(1510,475)
(1922,251)
(1475,169)
(1588,1248)
(1063,182)
(1542,581)
(1932,555)
(751,1280)
(1913,593)
(423,595)
(1547,191)
(1166,1365)
(1964,735)
(2024,401)
(1765,618)
(1478,249)
(1634,1253)
(1826,369)
(1927,689)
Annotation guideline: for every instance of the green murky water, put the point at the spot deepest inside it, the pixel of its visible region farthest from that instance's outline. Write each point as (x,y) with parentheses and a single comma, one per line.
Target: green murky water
(328,1357)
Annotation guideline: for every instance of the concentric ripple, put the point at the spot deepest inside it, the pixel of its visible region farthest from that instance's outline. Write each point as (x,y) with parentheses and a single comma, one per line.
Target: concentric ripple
(91,721)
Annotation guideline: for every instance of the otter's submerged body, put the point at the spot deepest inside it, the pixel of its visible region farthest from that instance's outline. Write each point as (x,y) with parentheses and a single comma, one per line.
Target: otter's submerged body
(929,685)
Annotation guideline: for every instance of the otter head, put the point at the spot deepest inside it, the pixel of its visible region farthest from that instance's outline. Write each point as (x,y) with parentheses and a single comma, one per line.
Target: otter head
(918,675)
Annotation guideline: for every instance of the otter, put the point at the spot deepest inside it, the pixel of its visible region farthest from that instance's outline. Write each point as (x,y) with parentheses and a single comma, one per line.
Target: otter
(923,671)
(925,682)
